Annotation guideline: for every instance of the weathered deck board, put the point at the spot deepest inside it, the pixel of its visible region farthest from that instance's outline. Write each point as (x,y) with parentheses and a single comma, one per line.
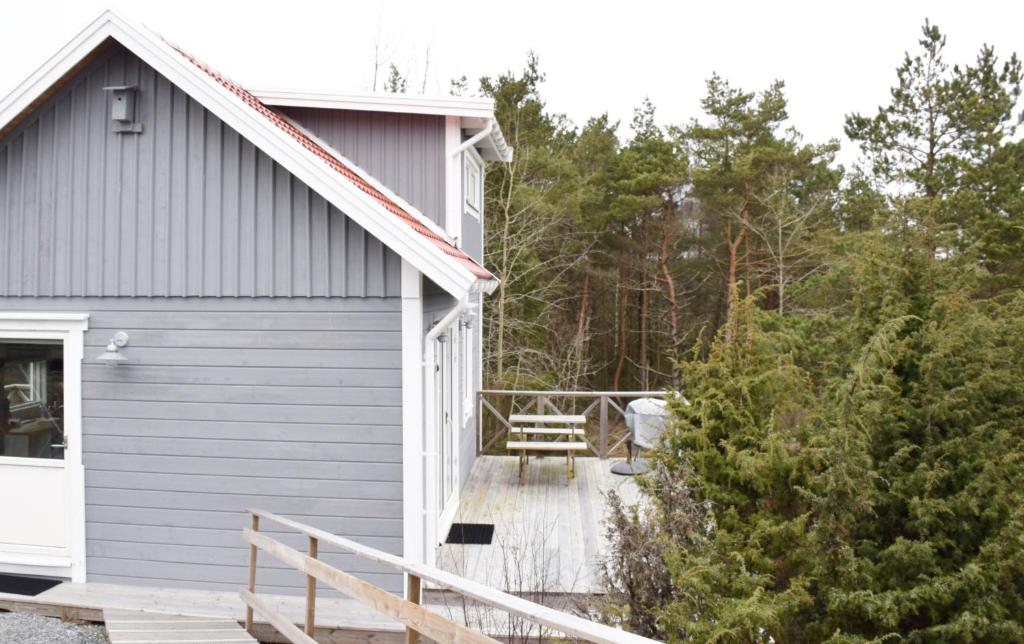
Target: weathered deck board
(339,620)
(138,627)
(549,532)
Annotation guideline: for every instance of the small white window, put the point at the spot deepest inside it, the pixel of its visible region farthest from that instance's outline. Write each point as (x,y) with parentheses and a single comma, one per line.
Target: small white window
(472,182)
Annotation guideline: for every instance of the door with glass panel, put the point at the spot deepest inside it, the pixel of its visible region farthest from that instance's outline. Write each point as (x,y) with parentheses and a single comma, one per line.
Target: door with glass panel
(445,432)
(35,483)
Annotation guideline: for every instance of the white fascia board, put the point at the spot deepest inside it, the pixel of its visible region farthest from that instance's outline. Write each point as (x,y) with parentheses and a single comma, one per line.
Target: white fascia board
(314,172)
(54,69)
(379,102)
(493,147)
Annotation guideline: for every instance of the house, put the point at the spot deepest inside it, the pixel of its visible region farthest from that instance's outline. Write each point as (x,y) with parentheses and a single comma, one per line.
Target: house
(213,299)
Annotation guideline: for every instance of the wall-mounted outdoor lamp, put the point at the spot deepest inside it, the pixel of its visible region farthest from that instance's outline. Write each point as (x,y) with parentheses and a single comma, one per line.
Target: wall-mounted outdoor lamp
(113,355)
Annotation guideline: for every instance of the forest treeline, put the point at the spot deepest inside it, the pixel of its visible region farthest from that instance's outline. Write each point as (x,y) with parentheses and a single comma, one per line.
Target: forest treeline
(846,462)
(618,255)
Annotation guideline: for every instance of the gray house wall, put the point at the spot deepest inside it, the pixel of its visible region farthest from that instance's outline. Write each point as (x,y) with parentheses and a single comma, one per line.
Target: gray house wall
(186,208)
(246,385)
(290,405)
(404,151)
(472,226)
(472,237)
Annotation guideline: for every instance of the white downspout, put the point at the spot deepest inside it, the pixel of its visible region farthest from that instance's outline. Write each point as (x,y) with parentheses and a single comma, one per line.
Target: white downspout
(476,138)
(430,510)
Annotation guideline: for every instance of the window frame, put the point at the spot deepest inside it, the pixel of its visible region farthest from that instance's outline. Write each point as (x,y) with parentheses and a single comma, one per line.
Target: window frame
(472,183)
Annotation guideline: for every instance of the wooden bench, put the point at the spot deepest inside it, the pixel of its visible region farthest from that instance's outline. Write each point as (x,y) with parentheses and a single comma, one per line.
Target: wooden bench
(537,425)
(526,447)
(548,419)
(548,431)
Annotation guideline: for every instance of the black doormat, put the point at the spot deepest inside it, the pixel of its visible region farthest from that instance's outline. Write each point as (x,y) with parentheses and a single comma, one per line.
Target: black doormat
(19,585)
(479,534)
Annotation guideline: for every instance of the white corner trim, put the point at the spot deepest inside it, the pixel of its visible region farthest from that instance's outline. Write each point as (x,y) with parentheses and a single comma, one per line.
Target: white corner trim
(432,261)
(70,329)
(453,177)
(412,415)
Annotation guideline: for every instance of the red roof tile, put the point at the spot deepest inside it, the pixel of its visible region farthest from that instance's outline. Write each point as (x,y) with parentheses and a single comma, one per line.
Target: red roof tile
(328,157)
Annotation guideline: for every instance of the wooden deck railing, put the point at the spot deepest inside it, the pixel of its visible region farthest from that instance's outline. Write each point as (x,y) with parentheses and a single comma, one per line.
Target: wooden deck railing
(418,620)
(494,406)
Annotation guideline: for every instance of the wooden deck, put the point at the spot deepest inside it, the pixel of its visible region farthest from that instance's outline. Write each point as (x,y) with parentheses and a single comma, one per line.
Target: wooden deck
(138,627)
(339,620)
(549,532)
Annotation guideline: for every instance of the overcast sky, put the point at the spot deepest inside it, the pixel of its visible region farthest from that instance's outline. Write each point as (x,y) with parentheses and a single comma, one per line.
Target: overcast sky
(834,57)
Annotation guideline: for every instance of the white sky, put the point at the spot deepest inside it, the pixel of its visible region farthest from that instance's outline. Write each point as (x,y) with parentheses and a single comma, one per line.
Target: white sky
(835,57)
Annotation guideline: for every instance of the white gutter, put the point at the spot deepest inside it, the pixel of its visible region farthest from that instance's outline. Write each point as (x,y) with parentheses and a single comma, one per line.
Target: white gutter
(430,513)
(476,138)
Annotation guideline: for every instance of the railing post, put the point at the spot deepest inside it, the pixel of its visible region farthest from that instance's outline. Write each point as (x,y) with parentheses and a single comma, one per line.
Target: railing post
(311,591)
(252,572)
(413,594)
(603,427)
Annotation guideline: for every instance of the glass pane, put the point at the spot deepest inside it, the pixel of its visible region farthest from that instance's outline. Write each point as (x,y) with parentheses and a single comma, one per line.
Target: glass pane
(32,404)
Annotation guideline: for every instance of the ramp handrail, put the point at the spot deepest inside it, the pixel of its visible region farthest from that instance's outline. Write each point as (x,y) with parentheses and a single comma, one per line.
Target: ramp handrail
(417,619)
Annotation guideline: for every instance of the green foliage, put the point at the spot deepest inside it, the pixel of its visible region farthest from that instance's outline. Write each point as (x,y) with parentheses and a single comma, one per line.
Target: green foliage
(854,471)
(395,83)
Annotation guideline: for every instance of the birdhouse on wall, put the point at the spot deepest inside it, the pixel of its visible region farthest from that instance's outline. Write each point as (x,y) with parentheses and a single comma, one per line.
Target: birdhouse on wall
(122,108)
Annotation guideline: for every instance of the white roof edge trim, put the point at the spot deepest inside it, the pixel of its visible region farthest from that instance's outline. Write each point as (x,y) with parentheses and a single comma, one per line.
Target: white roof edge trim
(468,107)
(419,251)
(379,102)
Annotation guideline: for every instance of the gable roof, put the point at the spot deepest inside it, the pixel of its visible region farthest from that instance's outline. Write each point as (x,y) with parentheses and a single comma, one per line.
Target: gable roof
(360,197)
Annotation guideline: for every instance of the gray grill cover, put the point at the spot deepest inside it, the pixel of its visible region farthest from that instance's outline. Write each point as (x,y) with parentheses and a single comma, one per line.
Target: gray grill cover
(646,419)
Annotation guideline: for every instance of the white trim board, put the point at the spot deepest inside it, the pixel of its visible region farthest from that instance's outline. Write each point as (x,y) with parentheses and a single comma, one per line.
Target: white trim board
(421,252)
(379,102)
(412,415)
(70,329)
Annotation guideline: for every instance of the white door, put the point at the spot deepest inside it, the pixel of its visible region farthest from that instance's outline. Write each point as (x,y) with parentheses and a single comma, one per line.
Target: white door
(444,390)
(41,496)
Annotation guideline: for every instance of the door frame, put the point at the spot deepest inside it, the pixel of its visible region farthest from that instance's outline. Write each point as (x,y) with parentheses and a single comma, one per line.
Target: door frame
(446,508)
(70,329)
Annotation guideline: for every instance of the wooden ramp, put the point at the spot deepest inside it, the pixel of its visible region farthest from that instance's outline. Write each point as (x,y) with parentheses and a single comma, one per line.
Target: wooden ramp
(137,627)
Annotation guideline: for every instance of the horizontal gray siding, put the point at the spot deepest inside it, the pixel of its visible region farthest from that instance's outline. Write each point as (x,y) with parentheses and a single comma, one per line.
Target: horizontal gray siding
(404,151)
(291,405)
(186,208)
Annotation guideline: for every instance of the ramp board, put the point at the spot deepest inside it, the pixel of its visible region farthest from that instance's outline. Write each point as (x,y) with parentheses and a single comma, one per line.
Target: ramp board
(137,627)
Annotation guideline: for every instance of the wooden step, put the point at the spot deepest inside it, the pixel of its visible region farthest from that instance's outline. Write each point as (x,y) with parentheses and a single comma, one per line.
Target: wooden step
(548,431)
(567,419)
(138,627)
(545,446)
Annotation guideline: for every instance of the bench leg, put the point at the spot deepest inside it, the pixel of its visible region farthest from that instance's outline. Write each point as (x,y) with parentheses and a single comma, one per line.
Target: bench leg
(572,465)
(522,464)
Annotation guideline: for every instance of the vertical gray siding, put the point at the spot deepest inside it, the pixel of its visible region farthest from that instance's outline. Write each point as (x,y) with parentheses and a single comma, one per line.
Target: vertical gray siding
(293,406)
(404,151)
(186,208)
